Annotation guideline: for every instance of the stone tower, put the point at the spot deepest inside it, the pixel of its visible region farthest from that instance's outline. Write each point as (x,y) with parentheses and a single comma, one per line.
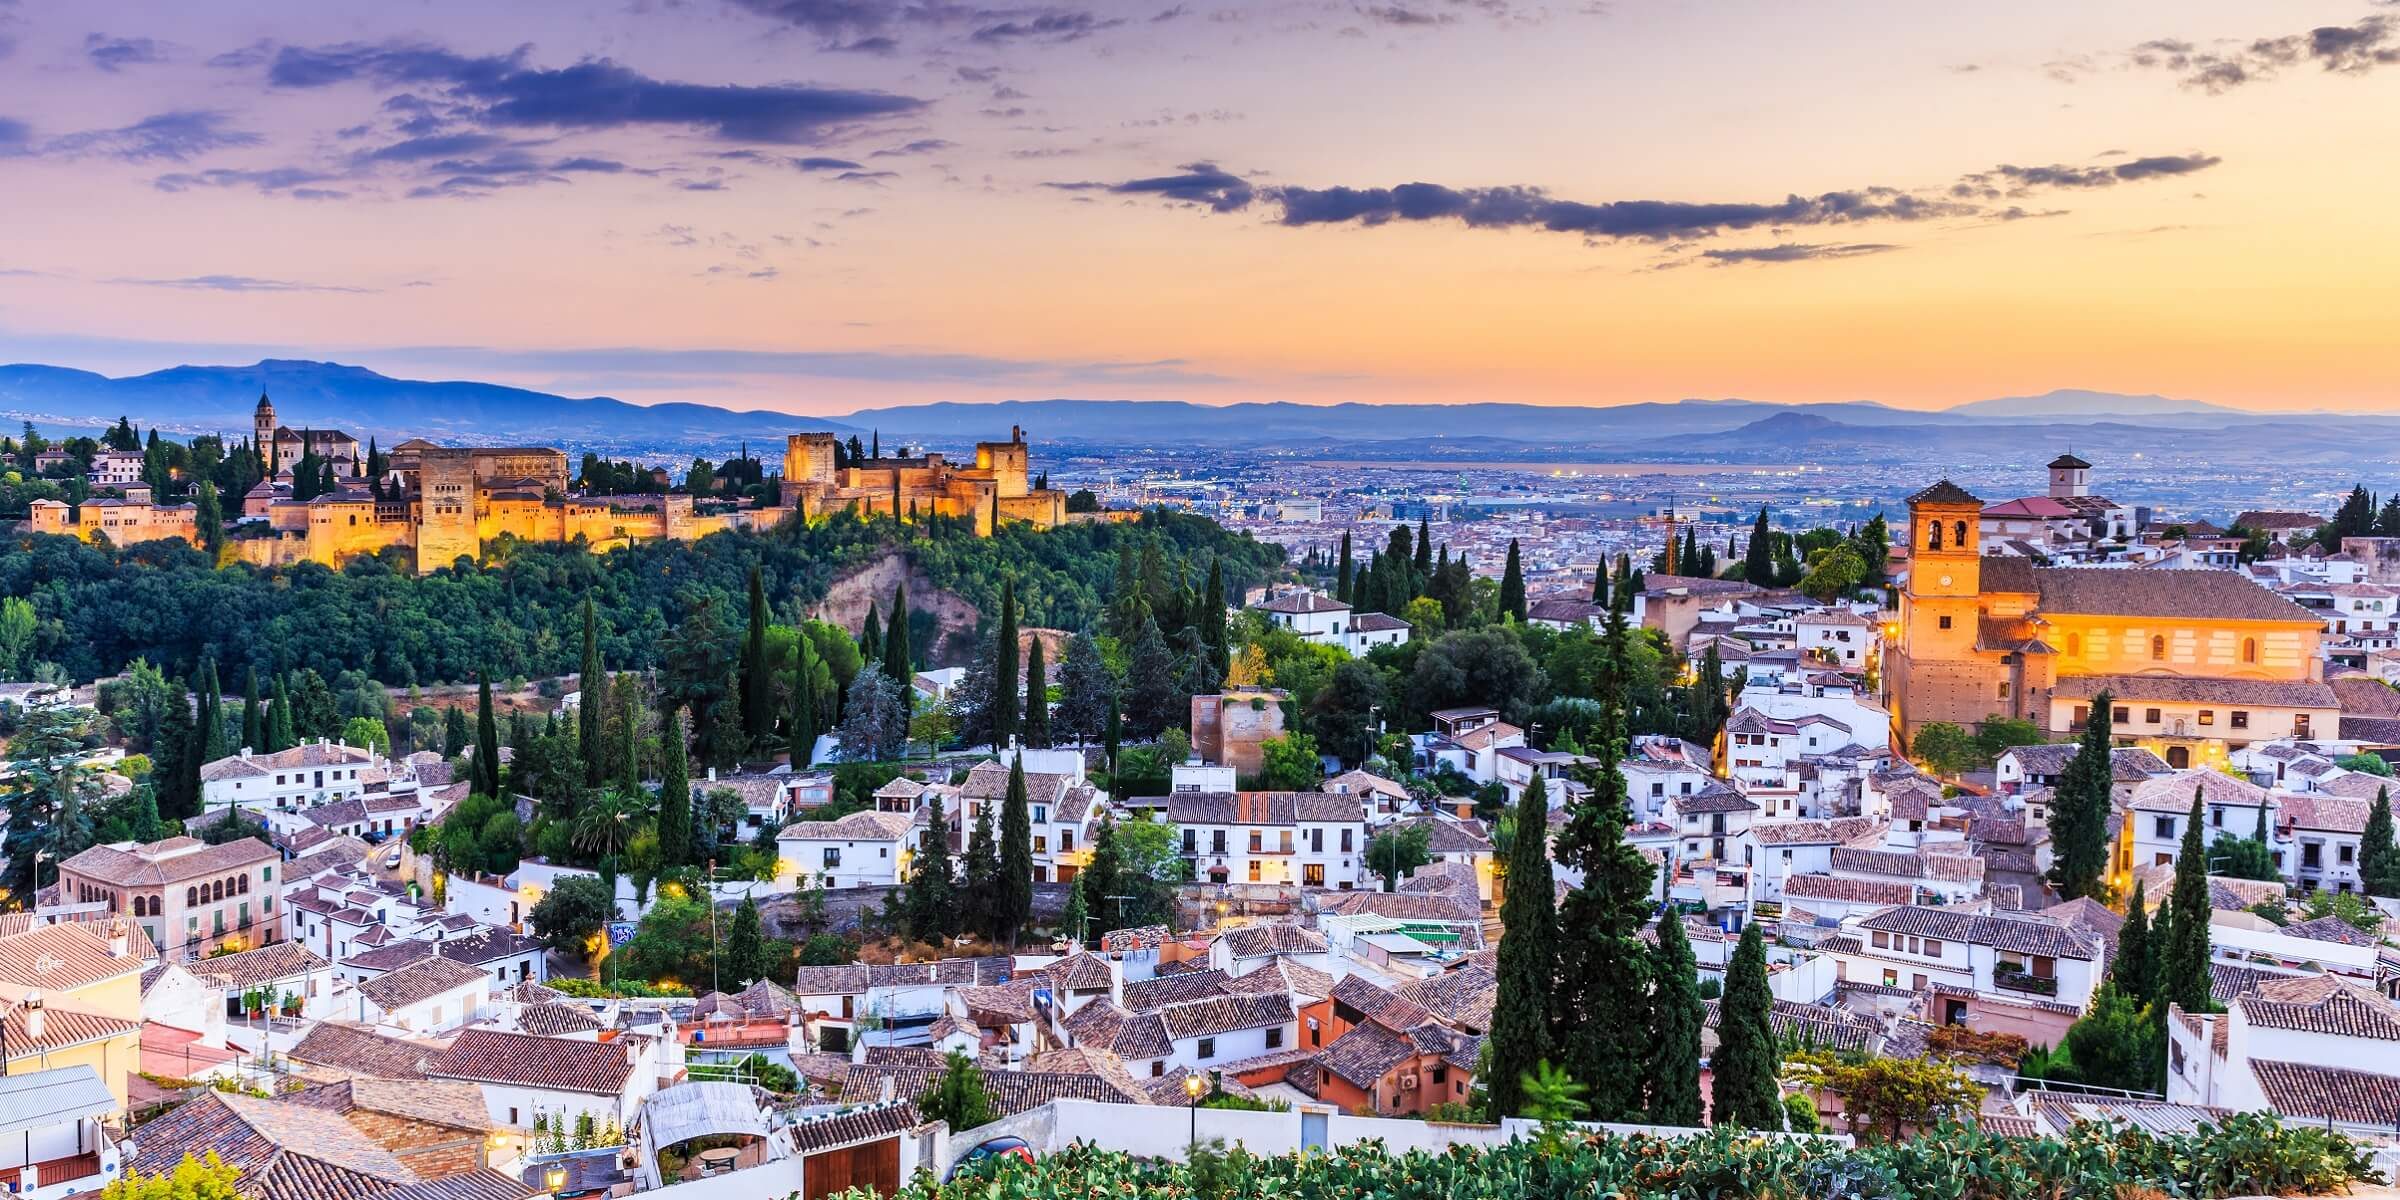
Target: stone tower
(2070,477)
(1007,462)
(262,423)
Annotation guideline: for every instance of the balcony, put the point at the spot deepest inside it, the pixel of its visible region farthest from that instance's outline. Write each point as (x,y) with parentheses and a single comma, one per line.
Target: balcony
(2024,981)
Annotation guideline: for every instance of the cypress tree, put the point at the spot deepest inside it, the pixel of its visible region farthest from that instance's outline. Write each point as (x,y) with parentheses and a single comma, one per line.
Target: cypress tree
(2135,969)
(209,515)
(1115,734)
(1676,1017)
(976,891)
(898,662)
(1004,668)
(254,719)
(1013,893)
(2183,964)
(758,683)
(177,743)
(932,893)
(212,713)
(1758,560)
(456,736)
(870,638)
(746,957)
(487,742)
(1512,586)
(280,734)
(1212,622)
(2079,810)
(1037,698)
(800,730)
(1341,576)
(674,795)
(1520,1031)
(1746,1063)
(1600,582)
(2378,858)
(628,691)
(591,707)
(1424,551)
(1599,1024)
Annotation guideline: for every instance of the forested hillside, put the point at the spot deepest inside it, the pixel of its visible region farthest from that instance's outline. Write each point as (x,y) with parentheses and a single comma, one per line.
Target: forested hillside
(98,608)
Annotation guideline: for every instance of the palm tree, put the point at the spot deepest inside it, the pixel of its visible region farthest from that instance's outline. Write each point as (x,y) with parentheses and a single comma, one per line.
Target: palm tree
(605,827)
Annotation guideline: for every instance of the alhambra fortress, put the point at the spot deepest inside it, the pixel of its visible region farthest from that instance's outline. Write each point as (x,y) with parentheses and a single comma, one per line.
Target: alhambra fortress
(447,502)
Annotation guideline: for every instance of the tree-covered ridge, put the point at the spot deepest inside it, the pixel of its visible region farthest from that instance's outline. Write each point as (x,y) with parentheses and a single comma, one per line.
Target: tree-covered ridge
(99,608)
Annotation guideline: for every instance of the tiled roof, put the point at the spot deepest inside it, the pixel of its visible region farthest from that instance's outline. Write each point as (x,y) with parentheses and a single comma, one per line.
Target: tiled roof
(2331,814)
(1081,972)
(1854,891)
(361,1051)
(1302,603)
(432,1101)
(419,981)
(2205,594)
(267,964)
(2321,1004)
(989,781)
(1375,622)
(869,826)
(311,754)
(1262,808)
(482,1183)
(2195,689)
(1163,990)
(2314,1090)
(1908,864)
(1097,1024)
(284,1151)
(1284,975)
(1381,1004)
(2024,934)
(831,981)
(2330,929)
(1366,1053)
(1252,941)
(1401,906)
(1831,1028)
(555,1019)
(2173,793)
(1715,798)
(1942,491)
(552,1064)
(1224,1014)
(1834,832)
(71,954)
(851,1126)
(171,860)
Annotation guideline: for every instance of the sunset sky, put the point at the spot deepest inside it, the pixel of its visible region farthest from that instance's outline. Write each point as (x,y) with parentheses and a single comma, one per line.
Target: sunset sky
(819,205)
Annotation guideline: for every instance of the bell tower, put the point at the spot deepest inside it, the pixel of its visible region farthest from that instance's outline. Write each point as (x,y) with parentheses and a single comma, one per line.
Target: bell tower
(262,423)
(1940,606)
(2069,477)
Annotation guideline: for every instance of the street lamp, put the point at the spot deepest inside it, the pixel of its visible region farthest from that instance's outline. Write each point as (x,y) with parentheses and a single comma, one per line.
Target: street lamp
(1194,1086)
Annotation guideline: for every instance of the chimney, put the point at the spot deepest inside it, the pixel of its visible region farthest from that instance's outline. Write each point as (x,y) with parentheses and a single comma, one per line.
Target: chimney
(120,938)
(712,774)
(633,1050)
(33,1017)
(245,753)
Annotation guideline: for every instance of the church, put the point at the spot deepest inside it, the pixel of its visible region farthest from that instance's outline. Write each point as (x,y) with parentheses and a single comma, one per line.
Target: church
(2194,662)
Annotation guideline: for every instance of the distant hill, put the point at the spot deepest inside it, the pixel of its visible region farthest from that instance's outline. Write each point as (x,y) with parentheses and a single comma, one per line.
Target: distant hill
(2075,402)
(199,399)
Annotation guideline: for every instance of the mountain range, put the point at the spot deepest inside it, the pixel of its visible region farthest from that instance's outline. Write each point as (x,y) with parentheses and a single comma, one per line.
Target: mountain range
(220,398)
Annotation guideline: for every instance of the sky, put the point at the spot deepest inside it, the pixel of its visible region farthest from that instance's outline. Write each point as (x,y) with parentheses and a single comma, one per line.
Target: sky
(824,205)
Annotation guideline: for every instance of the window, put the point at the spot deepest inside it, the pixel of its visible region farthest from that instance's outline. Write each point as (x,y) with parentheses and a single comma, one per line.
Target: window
(1284,843)
(1041,843)
(1275,1038)
(2241,718)
(1191,840)
(244,885)
(833,856)
(1041,814)
(2300,725)
(1066,841)
(1933,535)
(1945,620)
(1254,871)
(2163,827)
(1959,529)
(2216,818)
(2158,648)
(2003,695)
(1316,841)
(1258,841)
(1208,1048)
(2150,715)
(2082,713)
(2208,716)
(2249,650)
(2074,644)
(2345,854)
(512,1116)
(1345,841)
(1216,842)
(1933,947)
(1883,941)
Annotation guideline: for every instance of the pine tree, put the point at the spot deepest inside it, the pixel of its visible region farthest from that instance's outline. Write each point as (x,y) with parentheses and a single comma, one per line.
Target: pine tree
(1013,893)
(254,718)
(1150,690)
(2183,962)
(1676,1017)
(757,680)
(1037,698)
(2378,858)
(746,959)
(674,795)
(591,706)
(487,742)
(1004,668)
(1341,575)
(1085,688)
(1520,1030)
(801,729)
(898,662)
(1746,1064)
(932,892)
(2136,966)
(2079,810)
(1758,560)
(978,891)
(1512,588)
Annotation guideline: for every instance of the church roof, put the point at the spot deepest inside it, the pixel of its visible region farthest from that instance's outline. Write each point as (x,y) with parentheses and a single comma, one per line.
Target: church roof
(1944,492)
(2203,595)
(2068,462)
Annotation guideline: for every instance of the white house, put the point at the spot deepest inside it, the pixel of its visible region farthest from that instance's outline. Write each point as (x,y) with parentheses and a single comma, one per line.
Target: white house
(1516,767)
(864,849)
(1837,636)
(1315,616)
(2018,972)
(1314,839)
(304,776)
(1063,806)
(2317,1049)
(2159,807)
(58,1139)
(1468,740)
(1371,629)
(523,1077)
(1200,1034)
(1788,848)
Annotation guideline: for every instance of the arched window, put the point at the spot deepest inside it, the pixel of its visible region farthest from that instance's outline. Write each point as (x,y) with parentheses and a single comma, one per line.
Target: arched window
(2158,648)
(245,885)
(1933,536)
(191,897)
(2074,644)
(2249,650)
(1959,532)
